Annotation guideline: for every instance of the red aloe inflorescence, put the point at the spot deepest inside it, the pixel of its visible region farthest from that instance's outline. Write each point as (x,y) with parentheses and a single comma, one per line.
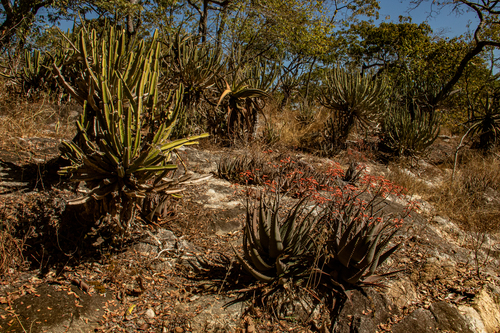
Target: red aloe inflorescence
(351,231)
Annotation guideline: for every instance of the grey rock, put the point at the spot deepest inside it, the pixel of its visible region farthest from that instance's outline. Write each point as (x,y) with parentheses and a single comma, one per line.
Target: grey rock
(419,321)
(448,318)
(364,312)
(150,313)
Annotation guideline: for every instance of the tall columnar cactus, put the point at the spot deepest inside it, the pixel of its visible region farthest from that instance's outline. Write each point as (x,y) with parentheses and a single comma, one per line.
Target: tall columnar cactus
(124,152)
(409,133)
(354,99)
(197,67)
(36,74)
(110,59)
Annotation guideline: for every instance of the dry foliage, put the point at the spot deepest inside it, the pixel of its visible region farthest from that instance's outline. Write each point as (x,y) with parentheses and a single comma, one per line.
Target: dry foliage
(289,127)
(473,198)
(22,119)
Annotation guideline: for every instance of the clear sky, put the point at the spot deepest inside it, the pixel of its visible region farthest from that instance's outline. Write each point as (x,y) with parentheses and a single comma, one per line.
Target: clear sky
(445,21)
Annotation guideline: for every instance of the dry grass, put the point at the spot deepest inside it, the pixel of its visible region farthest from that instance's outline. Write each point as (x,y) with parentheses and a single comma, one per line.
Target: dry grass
(290,129)
(40,119)
(473,198)
(401,175)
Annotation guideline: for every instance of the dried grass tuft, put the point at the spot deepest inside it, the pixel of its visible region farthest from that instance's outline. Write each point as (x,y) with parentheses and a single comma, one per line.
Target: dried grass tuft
(473,198)
(41,119)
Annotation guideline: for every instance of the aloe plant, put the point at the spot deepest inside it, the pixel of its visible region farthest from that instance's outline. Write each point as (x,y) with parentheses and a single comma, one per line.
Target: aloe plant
(486,122)
(246,94)
(357,238)
(408,133)
(124,152)
(277,248)
(354,99)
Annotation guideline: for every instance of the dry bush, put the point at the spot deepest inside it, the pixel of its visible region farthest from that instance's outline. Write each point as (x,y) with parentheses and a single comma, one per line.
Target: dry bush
(40,119)
(11,247)
(473,198)
(292,127)
(11,252)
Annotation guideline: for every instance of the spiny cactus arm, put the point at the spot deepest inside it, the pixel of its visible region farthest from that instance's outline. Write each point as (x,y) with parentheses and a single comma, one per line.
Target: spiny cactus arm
(84,53)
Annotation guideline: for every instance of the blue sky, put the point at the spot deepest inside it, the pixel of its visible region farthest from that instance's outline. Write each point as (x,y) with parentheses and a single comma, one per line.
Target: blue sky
(445,21)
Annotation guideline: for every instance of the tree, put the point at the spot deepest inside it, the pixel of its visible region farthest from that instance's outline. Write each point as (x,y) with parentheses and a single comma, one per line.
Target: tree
(18,16)
(486,34)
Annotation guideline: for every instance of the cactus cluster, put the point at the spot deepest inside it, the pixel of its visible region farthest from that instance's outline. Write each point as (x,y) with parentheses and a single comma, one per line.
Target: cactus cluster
(123,152)
(197,67)
(409,133)
(354,99)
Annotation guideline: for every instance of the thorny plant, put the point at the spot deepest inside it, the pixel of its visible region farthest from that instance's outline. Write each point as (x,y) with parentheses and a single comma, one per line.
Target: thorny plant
(350,230)
(298,177)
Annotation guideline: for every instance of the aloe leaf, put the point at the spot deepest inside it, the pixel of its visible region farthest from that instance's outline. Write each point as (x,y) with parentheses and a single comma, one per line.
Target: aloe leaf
(181,142)
(157,168)
(380,258)
(258,261)
(288,228)
(356,277)
(281,268)
(275,243)
(345,236)
(259,276)
(264,228)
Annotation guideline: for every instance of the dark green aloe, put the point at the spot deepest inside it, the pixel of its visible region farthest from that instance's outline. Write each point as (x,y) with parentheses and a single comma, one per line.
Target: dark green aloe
(276,247)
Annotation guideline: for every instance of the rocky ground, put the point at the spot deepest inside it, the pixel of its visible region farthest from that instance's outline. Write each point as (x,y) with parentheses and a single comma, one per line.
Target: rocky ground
(179,275)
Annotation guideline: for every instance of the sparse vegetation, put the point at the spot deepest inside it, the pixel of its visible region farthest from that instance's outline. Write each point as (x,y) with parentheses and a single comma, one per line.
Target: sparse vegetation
(288,100)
